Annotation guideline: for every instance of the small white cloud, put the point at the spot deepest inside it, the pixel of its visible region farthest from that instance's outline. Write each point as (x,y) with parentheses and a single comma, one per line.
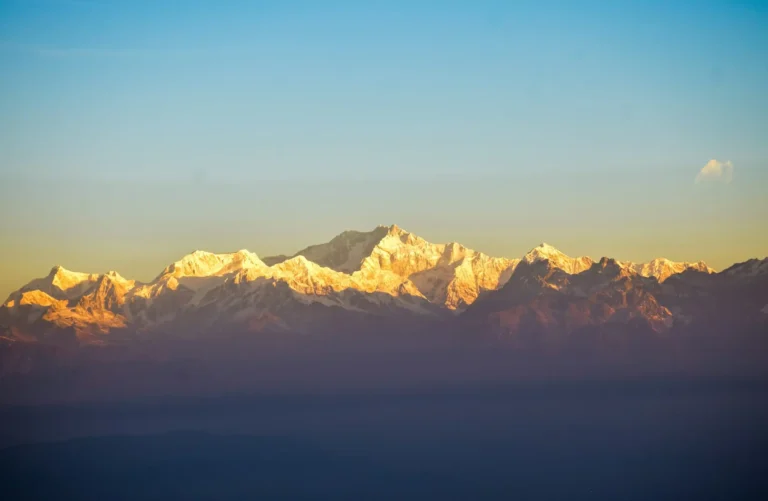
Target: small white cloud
(715,170)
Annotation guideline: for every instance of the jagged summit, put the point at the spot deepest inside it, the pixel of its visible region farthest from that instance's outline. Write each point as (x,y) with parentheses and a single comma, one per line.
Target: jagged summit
(62,283)
(297,263)
(659,268)
(395,230)
(750,268)
(116,277)
(546,252)
(346,251)
(541,251)
(606,262)
(662,268)
(609,267)
(61,271)
(202,263)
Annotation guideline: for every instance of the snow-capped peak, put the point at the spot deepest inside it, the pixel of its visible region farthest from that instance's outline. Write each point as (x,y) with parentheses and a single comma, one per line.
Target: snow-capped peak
(662,268)
(66,279)
(395,230)
(389,228)
(117,278)
(62,283)
(558,259)
(309,278)
(385,259)
(204,264)
(296,263)
(542,251)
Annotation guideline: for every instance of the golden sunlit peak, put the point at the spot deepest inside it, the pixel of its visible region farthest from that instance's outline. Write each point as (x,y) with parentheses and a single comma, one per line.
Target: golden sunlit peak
(543,249)
(396,230)
(57,269)
(392,229)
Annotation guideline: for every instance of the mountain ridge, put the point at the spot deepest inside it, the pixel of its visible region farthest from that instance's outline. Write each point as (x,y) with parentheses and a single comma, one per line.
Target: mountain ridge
(384,272)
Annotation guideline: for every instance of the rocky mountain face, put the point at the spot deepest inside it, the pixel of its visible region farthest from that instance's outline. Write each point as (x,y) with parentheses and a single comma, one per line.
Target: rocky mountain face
(383,279)
(731,301)
(541,297)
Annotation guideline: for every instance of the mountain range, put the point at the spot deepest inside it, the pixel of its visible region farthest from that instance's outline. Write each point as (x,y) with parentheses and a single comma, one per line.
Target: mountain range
(387,276)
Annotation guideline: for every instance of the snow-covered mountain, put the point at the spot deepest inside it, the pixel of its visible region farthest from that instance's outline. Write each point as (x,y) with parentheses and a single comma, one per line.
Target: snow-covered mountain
(384,273)
(545,252)
(389,259)
(661,268)
(200,291)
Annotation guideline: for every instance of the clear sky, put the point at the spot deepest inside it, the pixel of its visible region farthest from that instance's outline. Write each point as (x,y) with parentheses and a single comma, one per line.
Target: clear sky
(134,132)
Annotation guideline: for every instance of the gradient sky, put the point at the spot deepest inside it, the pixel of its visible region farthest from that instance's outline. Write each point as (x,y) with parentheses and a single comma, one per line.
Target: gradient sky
(132,133)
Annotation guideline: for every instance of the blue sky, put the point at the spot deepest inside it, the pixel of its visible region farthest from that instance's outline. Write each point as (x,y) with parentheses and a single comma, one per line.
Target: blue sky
(134,132)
